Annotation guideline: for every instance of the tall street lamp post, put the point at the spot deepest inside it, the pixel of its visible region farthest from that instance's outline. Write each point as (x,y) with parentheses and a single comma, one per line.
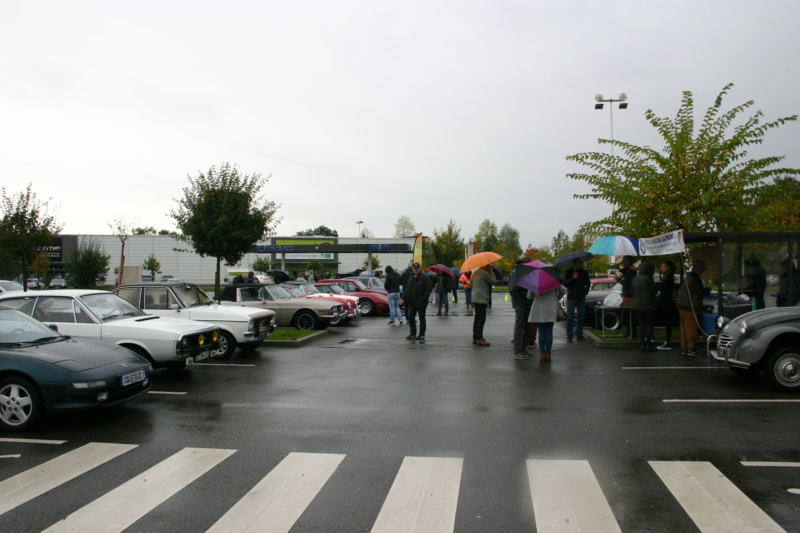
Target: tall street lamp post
(358,255)
(623,104)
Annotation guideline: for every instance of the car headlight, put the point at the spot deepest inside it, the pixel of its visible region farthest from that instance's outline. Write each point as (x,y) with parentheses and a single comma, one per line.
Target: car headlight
(743,328)
(90,384)
(201,340)
(722,321)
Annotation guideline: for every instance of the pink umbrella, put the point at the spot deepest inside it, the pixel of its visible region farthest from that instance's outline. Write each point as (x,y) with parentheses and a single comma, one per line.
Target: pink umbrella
(538,277)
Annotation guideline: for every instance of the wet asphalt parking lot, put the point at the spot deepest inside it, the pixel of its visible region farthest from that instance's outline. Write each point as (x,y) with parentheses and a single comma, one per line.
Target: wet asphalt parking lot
(507,445)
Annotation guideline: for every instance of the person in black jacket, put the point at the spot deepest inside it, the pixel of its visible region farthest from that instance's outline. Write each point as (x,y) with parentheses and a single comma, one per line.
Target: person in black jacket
(645,305)
(625,277)
(392,286)
(578,283)
(416,292)
(666,302)
(522,308)
(755,282)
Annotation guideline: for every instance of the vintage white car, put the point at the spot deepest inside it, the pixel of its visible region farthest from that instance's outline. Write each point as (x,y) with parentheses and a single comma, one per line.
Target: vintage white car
(241,327)
(100,315)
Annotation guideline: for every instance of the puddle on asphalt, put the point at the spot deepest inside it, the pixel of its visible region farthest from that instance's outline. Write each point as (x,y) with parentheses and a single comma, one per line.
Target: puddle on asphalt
(351,341)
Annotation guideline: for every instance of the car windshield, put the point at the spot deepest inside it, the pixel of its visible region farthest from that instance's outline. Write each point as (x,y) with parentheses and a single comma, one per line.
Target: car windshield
(10,286)
(16,327)
(359,284)
(192,295)
(278,293)
(297,292)
(335,289)
(310,289)
(107,306)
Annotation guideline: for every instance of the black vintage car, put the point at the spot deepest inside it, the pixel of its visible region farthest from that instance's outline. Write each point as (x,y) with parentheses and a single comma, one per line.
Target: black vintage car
(43,372)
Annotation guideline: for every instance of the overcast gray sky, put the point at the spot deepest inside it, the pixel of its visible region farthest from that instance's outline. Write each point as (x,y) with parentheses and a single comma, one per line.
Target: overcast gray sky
(366,110)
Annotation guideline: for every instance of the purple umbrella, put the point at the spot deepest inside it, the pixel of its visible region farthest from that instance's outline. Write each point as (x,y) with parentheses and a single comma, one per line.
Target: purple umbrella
(537,277)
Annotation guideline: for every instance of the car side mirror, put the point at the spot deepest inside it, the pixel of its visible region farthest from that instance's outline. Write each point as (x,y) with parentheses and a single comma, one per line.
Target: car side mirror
(175,307)
(53,327)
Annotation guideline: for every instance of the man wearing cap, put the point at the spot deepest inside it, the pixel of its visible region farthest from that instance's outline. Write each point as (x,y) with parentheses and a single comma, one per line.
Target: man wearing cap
(522,307)
(690,304)
(416,292)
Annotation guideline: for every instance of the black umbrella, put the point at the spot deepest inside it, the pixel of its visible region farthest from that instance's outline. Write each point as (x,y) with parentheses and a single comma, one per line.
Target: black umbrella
(279,275)
(566,259)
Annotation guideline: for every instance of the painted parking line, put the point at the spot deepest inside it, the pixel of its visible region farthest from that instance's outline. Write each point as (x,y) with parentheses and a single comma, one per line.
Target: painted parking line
(168,393)
(278,500)
(15,456)
(734,400)
(423,497)
(33,441)
(223,364)
(710,499)
(567,497)
(118,509)
(770,463)
(674,368)
(27,485)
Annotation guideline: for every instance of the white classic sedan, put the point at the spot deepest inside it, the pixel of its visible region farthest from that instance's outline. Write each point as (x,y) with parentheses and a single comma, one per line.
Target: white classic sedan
(100,315)
(241,327)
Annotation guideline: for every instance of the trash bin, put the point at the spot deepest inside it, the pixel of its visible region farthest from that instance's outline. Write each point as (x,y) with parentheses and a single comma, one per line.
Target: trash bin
(708,323)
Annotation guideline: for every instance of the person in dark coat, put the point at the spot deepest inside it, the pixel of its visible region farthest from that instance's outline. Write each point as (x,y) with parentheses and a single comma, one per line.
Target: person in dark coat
(416,292)
(690,305)
(577,281)
(392,285)
(755,282)
(644,305)
(522,308)
(787,298)
(625,276)
(666,302)
(444,284)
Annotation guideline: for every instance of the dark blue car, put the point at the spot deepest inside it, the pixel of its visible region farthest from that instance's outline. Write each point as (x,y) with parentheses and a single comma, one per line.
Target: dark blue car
(43,372)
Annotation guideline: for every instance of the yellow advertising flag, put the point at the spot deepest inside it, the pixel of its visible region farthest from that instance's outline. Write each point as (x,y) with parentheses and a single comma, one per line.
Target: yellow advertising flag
(418,249)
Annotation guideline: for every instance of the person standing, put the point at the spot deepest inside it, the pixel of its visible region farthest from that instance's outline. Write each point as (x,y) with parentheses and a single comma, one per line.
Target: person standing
(415,296)
(455,285)
(625,277)
(444,284)
(466,280)
(392,285)
(789,275)
(690,304)
(755,282)
(544,309)
(482,281)
(644,305)
(522,308)
(578,283)
(665,302)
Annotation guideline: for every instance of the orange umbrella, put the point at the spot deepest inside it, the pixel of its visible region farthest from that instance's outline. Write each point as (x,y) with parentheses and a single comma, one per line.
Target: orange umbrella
(479,260)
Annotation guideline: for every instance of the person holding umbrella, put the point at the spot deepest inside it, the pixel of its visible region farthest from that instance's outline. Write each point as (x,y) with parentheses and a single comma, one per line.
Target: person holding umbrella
(482,281)
(522,308)
(578,283)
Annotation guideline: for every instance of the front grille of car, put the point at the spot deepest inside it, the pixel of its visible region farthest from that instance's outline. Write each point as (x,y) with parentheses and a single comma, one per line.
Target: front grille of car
(724,343)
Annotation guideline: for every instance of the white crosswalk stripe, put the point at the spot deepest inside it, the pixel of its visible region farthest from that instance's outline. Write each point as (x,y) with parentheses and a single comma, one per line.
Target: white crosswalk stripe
(712,501)
(566,494)
(129,502)
(567,497)
(278,500)
(35,482)
(423,497)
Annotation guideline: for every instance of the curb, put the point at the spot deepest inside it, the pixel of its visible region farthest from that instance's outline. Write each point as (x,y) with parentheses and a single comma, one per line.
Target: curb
(298,343)
(606,344)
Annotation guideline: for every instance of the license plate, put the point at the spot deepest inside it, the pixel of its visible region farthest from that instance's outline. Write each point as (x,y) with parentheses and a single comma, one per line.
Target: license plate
(135,377)
(202,355)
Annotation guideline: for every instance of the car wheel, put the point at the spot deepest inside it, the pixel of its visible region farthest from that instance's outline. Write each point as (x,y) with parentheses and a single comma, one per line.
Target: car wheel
(227,345)
(611,320)
(783,369)
(366,306)
(306,320)
(20,404)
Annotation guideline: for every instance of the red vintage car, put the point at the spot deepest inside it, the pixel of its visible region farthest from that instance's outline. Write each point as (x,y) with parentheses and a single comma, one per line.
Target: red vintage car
(299,289)
(370,302)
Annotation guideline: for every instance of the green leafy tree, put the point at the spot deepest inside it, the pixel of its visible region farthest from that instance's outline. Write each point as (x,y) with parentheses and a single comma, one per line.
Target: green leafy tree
(26,228)
(367,233)
(447,245)
(510,236)
(87,264)
(487,235)
(701,181)
(319,230)
(150,230)
(41,264)
(404,227)
(510,255)
(261,265)
(152,265)
(315,266)
(375,263)
(223,214)
(777,206)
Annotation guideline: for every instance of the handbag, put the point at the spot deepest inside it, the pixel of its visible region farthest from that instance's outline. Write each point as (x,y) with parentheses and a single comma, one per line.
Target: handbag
(560,314)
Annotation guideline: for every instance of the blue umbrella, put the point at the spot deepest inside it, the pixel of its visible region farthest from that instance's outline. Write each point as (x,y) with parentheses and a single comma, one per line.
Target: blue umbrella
(279,275)
(615,245)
